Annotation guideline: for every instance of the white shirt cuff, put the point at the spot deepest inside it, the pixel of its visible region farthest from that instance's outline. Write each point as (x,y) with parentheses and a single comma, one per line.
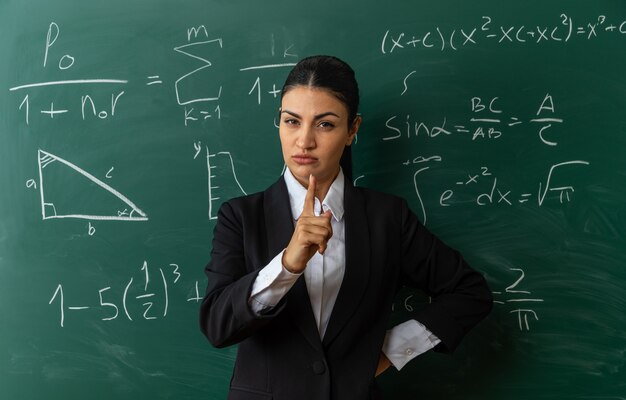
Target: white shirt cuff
(271,284)
(406,341)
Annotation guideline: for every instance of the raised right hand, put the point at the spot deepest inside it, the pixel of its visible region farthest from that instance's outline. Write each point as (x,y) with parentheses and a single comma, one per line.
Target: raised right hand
(311,234)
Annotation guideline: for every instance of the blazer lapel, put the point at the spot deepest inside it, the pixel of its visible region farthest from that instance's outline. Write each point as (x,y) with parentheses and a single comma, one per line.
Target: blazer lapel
(279,229)
(278,220)
(357,263)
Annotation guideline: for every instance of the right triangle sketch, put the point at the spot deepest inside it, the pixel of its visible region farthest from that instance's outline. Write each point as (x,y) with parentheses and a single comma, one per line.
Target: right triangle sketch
(68,191)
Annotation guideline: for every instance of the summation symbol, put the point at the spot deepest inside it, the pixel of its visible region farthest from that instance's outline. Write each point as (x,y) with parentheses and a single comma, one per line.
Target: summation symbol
(191,88)
(192,50)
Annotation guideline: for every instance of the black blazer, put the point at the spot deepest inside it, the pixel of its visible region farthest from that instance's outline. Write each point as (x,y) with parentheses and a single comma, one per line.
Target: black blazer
(280,354)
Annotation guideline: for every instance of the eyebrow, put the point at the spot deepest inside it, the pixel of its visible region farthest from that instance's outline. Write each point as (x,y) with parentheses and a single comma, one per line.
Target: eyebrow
(322,115)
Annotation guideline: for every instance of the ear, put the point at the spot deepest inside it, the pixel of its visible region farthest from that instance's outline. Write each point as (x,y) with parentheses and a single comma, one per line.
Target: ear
(354,129)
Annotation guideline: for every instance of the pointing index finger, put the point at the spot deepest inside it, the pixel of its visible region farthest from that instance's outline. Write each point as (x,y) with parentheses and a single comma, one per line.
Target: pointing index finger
(309,200)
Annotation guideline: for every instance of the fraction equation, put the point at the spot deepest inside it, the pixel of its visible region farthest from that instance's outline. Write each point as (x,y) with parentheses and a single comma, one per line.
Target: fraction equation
(522,304)
(486,122)
(141,298)
(198,91)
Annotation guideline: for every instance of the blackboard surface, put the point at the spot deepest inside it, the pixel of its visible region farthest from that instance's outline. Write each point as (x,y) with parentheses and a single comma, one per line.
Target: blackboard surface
(125,124)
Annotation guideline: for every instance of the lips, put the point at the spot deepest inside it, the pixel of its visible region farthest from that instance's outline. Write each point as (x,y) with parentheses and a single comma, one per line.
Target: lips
(304,159)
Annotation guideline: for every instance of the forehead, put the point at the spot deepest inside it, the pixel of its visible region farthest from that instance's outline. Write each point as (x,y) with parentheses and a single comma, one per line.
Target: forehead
(309,100)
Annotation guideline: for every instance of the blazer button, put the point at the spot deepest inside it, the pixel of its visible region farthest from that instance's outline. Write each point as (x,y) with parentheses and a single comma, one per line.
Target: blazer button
(318,367)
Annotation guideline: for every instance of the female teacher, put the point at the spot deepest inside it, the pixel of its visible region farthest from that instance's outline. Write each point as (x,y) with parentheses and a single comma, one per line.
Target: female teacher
(303,275)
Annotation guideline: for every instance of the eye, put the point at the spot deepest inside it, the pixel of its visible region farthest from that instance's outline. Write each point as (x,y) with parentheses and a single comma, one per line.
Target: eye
(326,125)
(291,121)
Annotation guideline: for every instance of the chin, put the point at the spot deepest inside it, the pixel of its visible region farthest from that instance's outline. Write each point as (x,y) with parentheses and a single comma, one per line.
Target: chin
(309,169)
(302,171)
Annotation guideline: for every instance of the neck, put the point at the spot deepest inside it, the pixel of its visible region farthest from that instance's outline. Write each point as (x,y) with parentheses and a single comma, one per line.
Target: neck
(322,188)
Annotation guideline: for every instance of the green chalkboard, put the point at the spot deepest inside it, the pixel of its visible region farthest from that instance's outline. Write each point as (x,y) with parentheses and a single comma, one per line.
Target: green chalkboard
(125,124)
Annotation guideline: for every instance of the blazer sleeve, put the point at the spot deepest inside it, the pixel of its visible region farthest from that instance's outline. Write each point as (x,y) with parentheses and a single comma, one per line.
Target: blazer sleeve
(225,315)
(460,295)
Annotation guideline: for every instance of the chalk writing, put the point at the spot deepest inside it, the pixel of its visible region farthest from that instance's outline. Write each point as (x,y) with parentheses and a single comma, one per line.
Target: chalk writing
(66,61)
(227,164)
(126,211)
(517,297)
(259,88)
(142,298)
(199,87)
(499,194)
(87,101)
(486,122)
(489,32)
(410,302)
(186,85)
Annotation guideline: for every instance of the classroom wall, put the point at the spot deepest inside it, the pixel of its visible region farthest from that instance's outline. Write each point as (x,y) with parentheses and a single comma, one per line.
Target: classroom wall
(125,125)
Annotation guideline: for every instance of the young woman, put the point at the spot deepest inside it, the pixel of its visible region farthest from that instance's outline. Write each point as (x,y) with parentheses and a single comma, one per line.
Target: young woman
(302,276)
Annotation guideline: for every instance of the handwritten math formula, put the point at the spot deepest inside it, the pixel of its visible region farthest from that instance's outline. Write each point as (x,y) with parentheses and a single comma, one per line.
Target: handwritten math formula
(489,31)
(198,97)
(488,121)
(497,194)
(87,105)
(202,106)
(198,91)
(517,301)
(144,296)
(522,303)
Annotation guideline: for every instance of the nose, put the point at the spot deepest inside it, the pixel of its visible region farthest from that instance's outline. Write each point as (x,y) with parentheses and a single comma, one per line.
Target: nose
(306,138)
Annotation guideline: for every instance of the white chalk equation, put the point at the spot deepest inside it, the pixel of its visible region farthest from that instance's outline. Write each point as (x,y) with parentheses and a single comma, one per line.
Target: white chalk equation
(523,305)
(89,106)
(487,121)
(195,90)
(143,298)
(200,91)
(489,31)
(499,194)
(60,183)
(265,85)
(516,300)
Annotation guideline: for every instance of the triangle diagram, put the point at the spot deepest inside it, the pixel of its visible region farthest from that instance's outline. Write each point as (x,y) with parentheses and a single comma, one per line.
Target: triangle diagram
(68,191)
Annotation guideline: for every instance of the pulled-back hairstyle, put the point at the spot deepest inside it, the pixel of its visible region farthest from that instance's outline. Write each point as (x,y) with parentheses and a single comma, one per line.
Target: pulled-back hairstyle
(334,75)
(330,73)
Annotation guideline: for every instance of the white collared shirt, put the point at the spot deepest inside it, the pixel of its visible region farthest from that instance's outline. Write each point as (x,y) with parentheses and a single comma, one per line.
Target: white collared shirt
(324,274)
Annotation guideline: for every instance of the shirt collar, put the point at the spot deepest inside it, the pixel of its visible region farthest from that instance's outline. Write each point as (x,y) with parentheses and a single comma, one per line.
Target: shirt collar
(333,200)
